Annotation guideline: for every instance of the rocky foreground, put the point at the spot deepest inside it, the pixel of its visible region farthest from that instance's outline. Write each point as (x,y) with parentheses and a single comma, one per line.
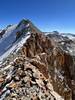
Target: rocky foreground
(39,70)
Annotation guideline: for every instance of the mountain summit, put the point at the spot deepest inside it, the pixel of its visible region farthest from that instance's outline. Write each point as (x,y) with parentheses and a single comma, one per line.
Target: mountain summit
(36,65)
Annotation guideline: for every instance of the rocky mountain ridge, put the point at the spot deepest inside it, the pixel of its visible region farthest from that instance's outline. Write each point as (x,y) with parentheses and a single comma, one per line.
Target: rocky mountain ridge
(37,66)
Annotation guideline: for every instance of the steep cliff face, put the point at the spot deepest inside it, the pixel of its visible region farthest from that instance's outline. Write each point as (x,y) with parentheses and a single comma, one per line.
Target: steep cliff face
(56,61)
(39,69)
(67,45)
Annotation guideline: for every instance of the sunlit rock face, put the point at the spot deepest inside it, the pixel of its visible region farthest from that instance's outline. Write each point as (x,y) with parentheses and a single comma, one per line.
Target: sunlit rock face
(43,68)
(58,63)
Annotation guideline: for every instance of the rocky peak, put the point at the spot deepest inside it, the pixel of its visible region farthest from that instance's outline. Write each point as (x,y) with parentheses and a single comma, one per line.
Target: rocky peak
(39,70)
(23,22)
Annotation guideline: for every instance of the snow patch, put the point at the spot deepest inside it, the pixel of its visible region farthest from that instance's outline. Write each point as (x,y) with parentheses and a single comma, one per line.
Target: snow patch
(15,47)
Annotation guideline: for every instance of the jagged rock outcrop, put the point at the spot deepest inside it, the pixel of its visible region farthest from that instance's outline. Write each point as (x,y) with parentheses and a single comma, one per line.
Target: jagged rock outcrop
(56,61)
(2,33)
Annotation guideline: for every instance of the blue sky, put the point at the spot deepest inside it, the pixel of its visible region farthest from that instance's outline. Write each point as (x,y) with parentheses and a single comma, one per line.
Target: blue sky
(48,15)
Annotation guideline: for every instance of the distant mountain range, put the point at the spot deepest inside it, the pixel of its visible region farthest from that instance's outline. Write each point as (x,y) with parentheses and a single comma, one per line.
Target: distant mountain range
(36,65)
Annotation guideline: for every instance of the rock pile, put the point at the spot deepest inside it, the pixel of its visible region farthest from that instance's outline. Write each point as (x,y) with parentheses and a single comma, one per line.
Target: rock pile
(23,81)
